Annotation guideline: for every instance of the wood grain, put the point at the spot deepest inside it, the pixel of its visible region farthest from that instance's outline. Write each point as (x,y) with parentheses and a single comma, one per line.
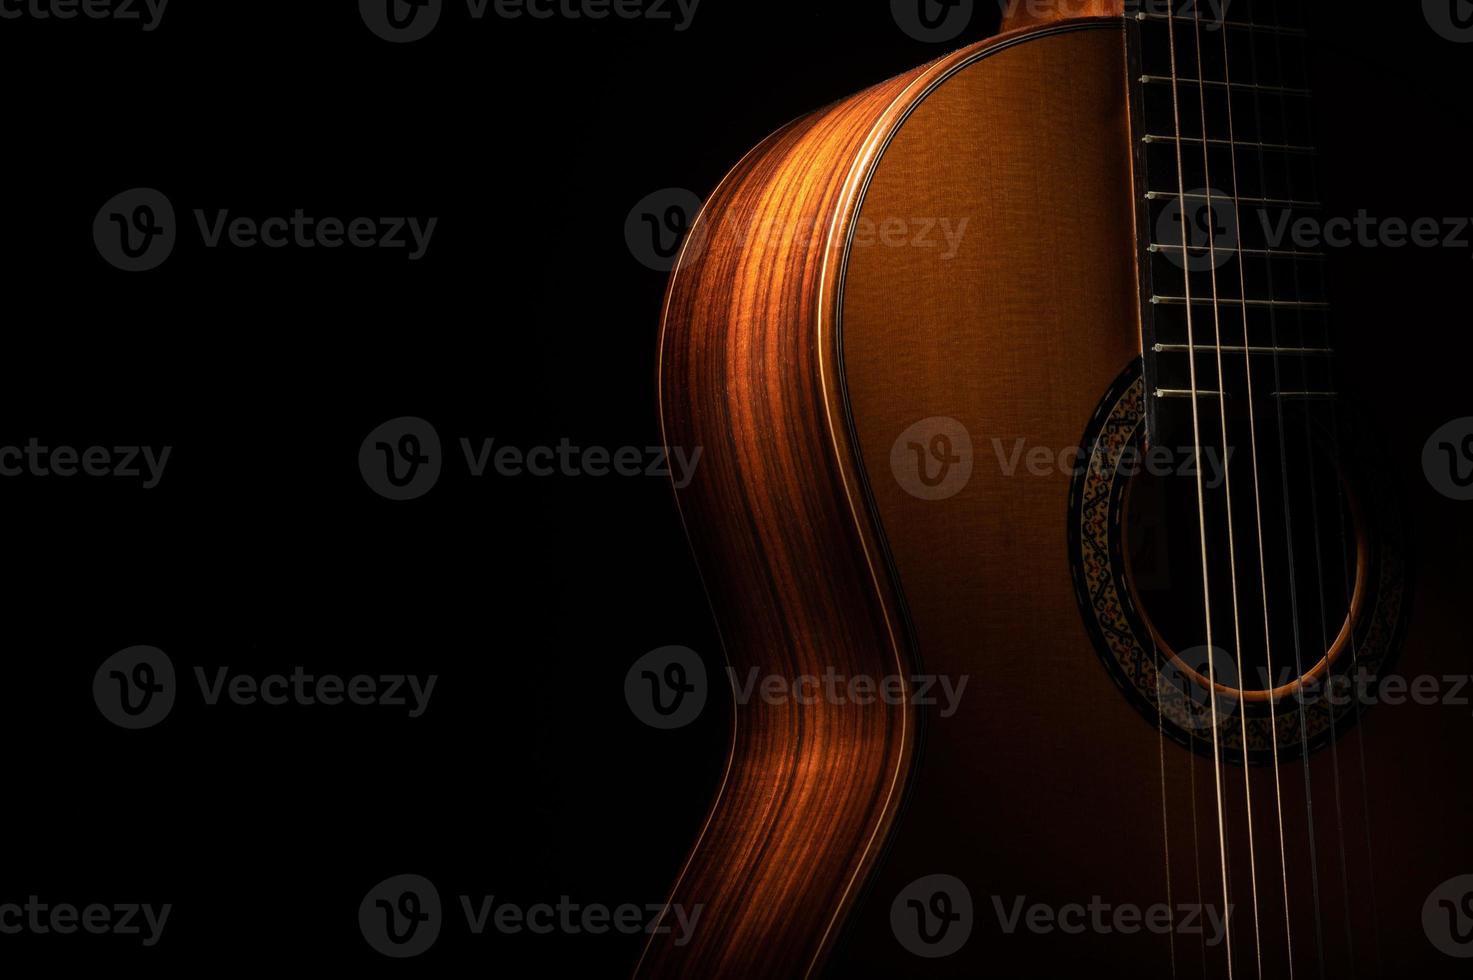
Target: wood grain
(793,561)
(795,352)
(1045,785)
(810,791)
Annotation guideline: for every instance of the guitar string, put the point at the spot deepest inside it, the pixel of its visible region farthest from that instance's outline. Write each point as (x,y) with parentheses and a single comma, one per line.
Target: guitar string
(1157,663)
(1330,709)
(1201,502)
(1192,796)
(1222,414)
(1165,821)
(1165,815)
(1195,817)
(1271,680)
(1309,457)
(1358,730)
(1196,852)
(1350,570)
(1257,91)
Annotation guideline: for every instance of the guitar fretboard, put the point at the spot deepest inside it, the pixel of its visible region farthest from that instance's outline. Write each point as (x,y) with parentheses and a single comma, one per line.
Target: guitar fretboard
(1226,175)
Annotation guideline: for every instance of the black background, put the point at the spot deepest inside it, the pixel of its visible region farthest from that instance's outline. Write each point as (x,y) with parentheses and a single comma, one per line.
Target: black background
(528,321)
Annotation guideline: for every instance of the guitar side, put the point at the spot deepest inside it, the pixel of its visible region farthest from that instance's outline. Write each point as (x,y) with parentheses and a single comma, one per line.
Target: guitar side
(783,528)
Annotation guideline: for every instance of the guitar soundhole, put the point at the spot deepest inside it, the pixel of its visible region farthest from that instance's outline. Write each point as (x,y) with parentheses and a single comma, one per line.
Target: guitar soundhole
(1281,585)
(1320,602)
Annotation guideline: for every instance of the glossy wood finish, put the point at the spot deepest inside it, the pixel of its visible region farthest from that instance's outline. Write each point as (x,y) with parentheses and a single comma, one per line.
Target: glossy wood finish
(790,558)
(1046,786)
(795,568)
(1016,337)
(796,350)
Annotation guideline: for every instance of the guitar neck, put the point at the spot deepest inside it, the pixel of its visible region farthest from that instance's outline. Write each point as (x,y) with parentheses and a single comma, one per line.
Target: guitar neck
(1225,173)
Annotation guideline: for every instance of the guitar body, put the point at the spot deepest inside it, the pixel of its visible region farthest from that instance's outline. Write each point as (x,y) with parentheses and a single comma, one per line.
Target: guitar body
(893,326)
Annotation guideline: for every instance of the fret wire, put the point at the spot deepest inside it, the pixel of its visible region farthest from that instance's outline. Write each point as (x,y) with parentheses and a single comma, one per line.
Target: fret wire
(1240,199)
(1166,247)
(1296,304)
(1186,393)
(1245,86)
(1276,147)
(1229,24)
(1240,349)
(1269,170)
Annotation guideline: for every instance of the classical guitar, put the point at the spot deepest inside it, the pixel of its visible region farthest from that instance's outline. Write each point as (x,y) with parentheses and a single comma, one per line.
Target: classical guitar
(1024,443)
